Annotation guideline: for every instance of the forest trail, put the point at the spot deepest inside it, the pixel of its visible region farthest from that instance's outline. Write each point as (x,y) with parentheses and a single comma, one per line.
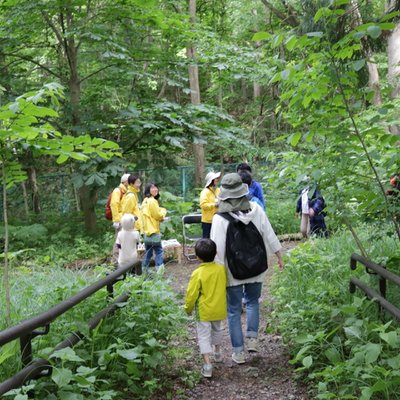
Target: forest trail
(266,375)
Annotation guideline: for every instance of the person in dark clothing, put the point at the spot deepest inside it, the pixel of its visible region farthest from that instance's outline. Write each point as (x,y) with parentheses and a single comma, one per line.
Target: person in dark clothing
(255,189)
(310,206)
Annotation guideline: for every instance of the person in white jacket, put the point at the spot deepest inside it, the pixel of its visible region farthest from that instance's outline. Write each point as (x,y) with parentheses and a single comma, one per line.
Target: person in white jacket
(233,199)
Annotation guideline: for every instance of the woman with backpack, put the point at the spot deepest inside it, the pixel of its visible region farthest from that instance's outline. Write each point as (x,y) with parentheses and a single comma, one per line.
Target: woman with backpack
(244,237)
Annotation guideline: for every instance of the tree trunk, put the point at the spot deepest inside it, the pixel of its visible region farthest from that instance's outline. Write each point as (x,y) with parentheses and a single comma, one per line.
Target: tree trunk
(25,196)
(195,97)
(394,68)
(6,279)
(88,197)
(373,74)
(35,191)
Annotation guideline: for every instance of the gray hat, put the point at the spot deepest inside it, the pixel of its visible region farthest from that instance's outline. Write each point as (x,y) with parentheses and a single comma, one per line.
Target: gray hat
(232,187)
(210,177)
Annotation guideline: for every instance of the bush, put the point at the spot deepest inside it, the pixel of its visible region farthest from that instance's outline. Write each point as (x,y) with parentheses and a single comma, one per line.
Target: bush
(337,338)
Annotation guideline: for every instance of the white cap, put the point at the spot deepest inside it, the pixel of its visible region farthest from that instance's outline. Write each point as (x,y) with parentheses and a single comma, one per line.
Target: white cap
(210,177)
(124,177)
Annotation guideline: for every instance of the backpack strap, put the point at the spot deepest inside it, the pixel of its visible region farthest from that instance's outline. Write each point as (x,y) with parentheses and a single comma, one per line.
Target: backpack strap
(227,216)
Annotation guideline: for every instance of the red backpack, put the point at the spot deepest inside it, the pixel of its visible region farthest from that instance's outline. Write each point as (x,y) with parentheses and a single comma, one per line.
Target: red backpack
(108,211)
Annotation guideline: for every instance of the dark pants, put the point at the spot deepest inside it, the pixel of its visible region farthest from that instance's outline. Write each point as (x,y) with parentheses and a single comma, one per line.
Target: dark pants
(318,227)
(206,230)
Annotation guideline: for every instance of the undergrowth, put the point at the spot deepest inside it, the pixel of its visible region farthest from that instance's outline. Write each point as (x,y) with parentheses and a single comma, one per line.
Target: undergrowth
(338,340)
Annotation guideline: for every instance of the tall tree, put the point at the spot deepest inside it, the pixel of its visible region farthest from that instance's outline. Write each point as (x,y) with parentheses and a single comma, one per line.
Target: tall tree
(195,96)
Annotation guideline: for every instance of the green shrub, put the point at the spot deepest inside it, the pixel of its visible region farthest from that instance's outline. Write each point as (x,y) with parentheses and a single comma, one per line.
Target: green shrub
(337,339)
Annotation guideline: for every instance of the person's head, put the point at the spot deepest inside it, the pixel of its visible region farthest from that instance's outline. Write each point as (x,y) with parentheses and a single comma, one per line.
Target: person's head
(232,187)
(243,167)
(135,181)
(205,250)
(151,190)
(128,222)
(124,179)
(246,177)
(212,178)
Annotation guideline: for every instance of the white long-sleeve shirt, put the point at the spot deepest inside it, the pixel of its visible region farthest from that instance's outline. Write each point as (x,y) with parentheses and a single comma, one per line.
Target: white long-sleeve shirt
(260,220)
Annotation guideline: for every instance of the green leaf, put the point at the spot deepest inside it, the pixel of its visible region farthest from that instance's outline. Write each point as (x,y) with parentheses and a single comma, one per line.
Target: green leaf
(61,377)
(7,351)
(62,158)
(390,338)
(372,352)
(66,354)
(357,65)
(294,139)
(260,36)
(130,354)
(333,355)
(374,31)
(307,361)
(291,42)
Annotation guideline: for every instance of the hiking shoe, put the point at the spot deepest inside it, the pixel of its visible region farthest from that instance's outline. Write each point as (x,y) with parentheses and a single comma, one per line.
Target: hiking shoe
(252,345)
(217,357)
(239,358)
(206,370)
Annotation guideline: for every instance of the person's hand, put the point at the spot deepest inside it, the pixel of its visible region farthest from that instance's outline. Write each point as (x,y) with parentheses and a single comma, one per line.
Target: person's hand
(297,215)
(281,264)
(311,212)
(116,225)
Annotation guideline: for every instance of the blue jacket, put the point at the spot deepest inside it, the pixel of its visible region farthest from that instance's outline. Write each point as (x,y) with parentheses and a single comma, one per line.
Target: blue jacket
(317,203)
(255,190)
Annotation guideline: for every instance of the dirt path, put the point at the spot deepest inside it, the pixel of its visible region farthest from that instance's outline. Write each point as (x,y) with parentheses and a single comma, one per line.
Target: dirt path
(266,375)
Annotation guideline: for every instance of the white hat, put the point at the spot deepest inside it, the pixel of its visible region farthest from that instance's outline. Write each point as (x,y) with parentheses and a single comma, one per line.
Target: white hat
(124,177)
(210,177)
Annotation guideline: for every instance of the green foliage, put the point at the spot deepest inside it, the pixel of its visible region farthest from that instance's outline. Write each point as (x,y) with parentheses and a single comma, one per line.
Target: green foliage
(125,355)
(281,213)
(336,338)
(26,235)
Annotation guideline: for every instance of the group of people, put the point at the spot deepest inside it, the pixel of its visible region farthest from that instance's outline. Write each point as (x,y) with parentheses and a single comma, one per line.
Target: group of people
(209,201)
(213,289)
(130,217)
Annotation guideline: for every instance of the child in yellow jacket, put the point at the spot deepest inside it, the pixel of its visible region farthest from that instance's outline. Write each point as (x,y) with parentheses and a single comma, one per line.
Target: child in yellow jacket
(206,293)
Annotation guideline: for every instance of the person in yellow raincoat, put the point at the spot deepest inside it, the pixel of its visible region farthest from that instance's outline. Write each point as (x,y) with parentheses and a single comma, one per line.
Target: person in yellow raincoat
(151,216)
(209,202)
(130,202)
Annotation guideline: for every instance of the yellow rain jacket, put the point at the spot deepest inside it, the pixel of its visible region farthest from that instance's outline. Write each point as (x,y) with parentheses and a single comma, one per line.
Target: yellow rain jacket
(130,204)
(207,292)
(208,197)
(151,216)
(116,202)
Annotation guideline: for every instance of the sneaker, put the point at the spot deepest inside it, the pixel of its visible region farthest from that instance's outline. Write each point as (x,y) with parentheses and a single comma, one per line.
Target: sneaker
(252,344)
(217,357)
(239,358)
(206,370)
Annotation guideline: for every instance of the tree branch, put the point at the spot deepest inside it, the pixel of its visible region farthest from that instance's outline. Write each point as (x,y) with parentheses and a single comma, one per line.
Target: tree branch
(96,72)
(36,63)
(290,18)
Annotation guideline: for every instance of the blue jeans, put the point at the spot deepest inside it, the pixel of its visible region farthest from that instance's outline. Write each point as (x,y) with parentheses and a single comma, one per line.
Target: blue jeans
(251,293)
(159,259)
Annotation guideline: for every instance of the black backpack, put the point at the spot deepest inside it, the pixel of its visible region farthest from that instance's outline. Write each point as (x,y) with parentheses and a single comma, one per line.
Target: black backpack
(245,249)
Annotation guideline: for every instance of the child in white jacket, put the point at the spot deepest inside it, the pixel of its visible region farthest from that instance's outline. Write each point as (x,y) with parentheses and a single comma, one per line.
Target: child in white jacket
(127,242)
